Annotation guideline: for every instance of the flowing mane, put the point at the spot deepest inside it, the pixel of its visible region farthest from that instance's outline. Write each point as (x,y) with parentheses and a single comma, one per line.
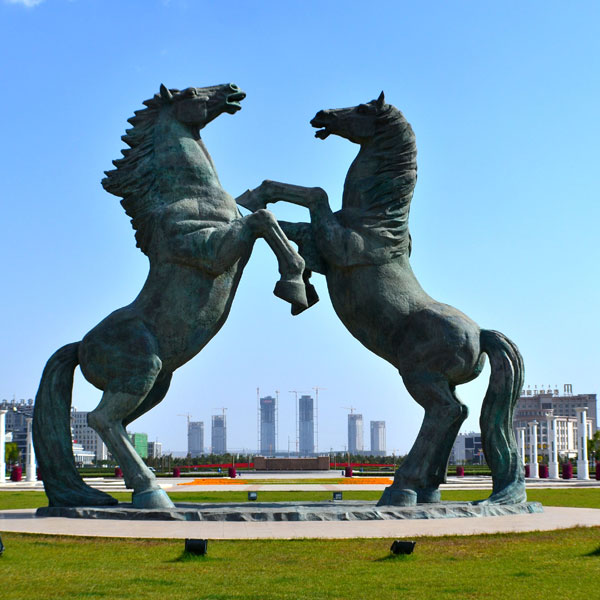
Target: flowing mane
(386,192)
(134,178)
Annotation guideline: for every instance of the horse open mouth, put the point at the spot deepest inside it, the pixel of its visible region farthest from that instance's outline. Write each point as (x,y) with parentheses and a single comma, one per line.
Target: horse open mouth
(322,133)
(233,101)
(323,128)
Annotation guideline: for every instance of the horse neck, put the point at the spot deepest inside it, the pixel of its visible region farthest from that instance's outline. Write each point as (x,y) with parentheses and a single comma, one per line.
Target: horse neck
(183,165)
(378,160)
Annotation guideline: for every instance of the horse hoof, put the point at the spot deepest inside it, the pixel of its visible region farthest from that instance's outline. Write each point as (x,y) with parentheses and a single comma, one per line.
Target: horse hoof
(151,499)
(428,496)
(292,292)
(514,493)
(397,497)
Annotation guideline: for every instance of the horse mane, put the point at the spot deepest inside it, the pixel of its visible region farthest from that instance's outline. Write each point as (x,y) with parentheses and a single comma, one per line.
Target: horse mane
(134,178)
(386,195)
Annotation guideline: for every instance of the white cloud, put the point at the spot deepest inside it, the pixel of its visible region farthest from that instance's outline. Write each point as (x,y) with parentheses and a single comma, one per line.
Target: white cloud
(27,3)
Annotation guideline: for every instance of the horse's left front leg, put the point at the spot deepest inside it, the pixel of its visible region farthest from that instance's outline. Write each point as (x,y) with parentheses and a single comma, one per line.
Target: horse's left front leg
(292,286)
(269,192)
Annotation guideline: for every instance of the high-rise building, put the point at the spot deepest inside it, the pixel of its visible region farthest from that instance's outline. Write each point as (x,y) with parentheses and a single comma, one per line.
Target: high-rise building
(218,434)
(268,426)
(355,433)
(306,425)
(378,438)
(86,436)
(195,438)
(140,443)
(154,449)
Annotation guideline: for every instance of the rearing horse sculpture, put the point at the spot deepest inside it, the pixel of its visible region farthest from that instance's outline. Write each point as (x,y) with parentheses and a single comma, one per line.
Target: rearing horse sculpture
(198,245)
(363,250)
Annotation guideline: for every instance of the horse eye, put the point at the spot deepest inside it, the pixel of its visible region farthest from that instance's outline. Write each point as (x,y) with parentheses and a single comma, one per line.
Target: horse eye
(362,109)
(191,92)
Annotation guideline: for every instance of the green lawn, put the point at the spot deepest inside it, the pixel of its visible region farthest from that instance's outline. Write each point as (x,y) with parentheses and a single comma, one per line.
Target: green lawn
(582,498)
(557,564)
(562,564)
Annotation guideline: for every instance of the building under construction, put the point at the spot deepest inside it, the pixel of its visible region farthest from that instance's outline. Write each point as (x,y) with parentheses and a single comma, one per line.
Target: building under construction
(306,425)
(378,438)
(268,426)
(355,433)
(219,434)
(195,438)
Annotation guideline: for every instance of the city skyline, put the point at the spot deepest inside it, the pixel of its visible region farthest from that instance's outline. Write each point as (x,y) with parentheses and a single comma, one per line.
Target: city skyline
(503,219)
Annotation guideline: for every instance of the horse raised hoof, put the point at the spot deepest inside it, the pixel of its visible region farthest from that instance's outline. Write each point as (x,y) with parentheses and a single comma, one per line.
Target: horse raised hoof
(293,292)
(251,200)
(151,499)
(311,296)
(397,497)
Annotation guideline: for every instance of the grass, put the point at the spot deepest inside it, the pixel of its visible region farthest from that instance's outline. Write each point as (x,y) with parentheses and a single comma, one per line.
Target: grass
(532,565)
(574,497)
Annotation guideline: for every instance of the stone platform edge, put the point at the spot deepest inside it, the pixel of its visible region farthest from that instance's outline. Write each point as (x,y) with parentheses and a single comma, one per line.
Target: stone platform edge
(293,511)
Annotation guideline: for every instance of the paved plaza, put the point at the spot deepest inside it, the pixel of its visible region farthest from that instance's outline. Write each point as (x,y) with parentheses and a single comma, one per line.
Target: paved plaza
(24,520)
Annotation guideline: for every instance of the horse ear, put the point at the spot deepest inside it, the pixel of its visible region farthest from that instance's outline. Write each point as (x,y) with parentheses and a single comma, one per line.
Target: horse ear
(381,100)
(165,94)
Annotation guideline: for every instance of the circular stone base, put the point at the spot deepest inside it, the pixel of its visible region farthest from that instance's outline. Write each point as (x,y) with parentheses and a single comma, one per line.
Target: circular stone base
(331,510)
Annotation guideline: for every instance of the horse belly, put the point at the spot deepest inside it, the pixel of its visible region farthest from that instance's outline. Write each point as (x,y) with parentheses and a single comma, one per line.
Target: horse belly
(189,320)
(373,302)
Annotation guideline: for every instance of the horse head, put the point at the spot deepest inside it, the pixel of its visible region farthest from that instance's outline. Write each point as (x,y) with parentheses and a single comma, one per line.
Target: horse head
(196,107)
(356,123)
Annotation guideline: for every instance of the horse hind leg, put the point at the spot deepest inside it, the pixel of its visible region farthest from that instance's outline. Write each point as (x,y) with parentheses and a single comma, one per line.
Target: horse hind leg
(155,396)
(109,418)
(424,468)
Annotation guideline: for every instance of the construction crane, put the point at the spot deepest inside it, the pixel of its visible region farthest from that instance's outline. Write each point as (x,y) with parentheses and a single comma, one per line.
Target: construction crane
(350,408)
(296,392)
(317,388)
(188,417)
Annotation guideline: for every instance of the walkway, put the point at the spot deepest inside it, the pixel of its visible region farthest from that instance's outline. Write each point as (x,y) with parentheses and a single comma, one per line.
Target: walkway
(553,518)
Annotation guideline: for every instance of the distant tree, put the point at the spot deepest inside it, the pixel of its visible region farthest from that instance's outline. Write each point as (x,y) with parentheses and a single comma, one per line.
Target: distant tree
(593,445)
(12,453)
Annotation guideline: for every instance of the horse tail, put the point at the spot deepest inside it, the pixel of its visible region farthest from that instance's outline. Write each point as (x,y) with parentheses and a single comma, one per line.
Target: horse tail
(52,434)
(497,437)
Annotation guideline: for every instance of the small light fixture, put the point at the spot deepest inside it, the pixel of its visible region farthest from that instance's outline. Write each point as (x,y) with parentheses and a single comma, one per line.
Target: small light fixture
(337,495)
(198,547)
(400,547)
(252,496)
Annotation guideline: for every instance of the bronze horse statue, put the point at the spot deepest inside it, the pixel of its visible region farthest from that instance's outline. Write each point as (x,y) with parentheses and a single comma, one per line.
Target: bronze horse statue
(198,244)
(363,250)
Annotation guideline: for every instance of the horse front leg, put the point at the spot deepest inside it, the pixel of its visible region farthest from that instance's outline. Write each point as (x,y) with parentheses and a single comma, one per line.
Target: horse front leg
(336,244)
(293,285)
(269,192)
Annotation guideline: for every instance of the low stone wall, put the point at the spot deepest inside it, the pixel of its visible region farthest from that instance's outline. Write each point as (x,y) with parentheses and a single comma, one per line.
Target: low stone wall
(318,463)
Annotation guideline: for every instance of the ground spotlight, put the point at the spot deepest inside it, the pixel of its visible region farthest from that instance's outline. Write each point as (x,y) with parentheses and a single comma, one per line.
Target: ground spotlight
(252,495)
(199,547)
(400,547)
(337,495)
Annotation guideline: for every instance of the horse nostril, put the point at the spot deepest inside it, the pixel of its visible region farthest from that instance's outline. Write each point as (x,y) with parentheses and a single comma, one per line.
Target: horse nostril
(234,87)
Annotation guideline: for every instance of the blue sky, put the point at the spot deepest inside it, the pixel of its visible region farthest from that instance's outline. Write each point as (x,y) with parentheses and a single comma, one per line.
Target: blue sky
(503,98)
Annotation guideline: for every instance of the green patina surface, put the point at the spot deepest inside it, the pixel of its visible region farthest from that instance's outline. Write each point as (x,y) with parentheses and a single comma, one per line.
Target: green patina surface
(197,244)
(364,252)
